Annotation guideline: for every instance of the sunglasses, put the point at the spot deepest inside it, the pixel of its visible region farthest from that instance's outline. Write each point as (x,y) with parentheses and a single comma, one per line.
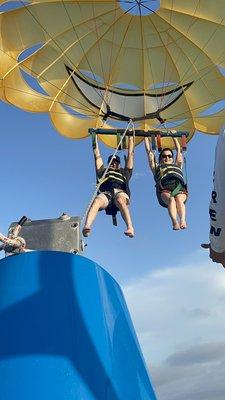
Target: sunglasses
(167,156)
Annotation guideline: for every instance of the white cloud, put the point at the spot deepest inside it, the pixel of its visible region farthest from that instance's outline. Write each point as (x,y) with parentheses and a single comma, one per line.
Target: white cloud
(204,381)
(178,313)
(138,175)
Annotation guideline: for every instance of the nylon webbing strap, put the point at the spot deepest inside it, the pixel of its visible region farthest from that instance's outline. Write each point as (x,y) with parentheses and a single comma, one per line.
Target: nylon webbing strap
(185,171)
(114,220)
(184,143)
(153,143)
(123,142)
(93,137)
(159,142)
(118,137)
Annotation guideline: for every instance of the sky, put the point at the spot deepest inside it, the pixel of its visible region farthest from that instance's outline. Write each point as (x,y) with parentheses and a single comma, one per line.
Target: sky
(175,294)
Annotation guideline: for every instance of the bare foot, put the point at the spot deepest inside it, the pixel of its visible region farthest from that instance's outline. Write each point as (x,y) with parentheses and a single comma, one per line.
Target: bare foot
(86,231)
(176,226)
(183,225)
(129,232)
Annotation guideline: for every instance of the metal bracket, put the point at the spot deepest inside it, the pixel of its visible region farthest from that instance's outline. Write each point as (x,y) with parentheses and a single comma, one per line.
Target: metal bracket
(60,234)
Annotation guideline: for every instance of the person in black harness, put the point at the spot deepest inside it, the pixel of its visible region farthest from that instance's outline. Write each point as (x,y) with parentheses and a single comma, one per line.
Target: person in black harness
(114,193)
(171,189)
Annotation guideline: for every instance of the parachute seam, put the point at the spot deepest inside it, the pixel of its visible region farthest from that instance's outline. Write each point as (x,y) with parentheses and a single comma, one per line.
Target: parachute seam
(172,61)
(31,70)
(35,93)
(44,98)
(117,56)
(143,60)
(168,35)
(27,7)
(196,57)
(186,38)
(52,39)
(199,79)
(74,29)
(192,63)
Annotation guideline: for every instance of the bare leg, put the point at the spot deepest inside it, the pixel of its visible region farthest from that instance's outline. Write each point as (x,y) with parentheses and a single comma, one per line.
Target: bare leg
(181,209)
(121,203)
(172,209)
(99,203)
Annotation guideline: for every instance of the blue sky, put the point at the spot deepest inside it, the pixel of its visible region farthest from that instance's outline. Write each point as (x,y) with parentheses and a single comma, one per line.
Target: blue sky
(173,290)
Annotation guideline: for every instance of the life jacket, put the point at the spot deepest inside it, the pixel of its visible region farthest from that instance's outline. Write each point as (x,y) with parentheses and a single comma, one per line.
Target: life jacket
(165,173)
(114,179)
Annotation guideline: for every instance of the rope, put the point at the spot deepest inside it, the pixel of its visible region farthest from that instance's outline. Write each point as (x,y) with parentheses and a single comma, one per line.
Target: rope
(106,170)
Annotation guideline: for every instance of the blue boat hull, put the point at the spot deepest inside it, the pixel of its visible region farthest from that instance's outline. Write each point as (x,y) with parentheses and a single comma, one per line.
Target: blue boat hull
(66,333)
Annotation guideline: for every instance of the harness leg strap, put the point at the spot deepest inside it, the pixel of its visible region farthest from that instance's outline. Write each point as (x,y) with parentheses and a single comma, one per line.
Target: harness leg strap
(114,220)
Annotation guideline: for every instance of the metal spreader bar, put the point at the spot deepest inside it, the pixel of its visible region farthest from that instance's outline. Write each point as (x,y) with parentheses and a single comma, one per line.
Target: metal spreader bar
(138,133)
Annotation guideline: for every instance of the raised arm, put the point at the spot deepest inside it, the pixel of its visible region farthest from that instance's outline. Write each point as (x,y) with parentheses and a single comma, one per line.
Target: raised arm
(150,154)
(130,153)
(179,157)
(97,155)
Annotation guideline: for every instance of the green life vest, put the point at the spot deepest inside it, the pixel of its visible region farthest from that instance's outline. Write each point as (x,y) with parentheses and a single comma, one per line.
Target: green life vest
(165,173)
(114,179)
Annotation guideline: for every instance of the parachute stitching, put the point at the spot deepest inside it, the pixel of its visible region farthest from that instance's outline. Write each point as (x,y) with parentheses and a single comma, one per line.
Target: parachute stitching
(99,47)
(143,59)
(117,56)
(16,65)
(167,55)
(180,53)
(98,93)
(47,99)
(160,102)
(172,61)
(106,170)
(192,63)
(64,51)
(85,54)
(46,80)
(111,52)
(52,38)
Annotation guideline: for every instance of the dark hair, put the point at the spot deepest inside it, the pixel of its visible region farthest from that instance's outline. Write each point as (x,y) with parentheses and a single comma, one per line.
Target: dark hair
(162,151)
(116,158)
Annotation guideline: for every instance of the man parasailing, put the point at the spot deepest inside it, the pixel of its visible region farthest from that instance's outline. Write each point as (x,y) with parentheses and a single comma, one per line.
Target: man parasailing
(114,192)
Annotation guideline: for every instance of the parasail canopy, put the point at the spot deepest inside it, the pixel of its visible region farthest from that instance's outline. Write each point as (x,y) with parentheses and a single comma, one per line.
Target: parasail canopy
(100,63)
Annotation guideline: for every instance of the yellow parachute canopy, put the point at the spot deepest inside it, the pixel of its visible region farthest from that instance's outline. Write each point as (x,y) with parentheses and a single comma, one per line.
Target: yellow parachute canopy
(99,63)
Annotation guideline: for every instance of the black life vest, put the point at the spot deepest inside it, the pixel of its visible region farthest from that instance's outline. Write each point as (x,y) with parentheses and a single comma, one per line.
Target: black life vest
(165,173)
(114,179)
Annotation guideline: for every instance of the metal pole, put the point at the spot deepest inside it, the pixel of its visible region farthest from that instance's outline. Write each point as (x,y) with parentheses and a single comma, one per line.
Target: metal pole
(138,133)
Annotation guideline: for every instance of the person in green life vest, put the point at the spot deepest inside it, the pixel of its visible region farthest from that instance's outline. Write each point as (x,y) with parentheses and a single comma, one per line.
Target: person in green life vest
(171,189)
(114,190)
